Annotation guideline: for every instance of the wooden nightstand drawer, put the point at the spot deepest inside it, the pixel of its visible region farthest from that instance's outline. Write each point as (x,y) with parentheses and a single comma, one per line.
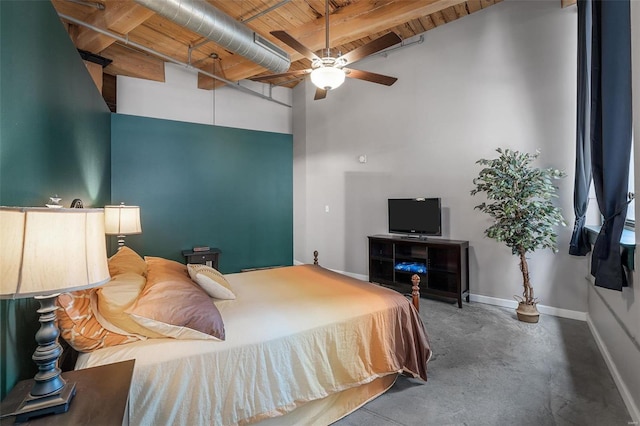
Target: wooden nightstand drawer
(209,257)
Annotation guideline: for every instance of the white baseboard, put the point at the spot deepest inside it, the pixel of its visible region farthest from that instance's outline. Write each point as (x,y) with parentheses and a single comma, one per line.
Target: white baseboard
(543,309)
(622,387)
(505,303)
(562,313)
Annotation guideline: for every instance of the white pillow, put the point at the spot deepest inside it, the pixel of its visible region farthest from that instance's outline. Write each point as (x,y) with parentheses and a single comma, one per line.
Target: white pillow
(211,281)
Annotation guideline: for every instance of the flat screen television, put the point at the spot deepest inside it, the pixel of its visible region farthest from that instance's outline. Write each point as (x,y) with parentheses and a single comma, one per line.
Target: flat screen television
(415,216)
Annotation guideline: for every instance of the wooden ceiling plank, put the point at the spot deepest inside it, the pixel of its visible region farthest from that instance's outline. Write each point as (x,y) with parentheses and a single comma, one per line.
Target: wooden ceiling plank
(461,9)
(298,13)
(473,5)
(427,23)
(416,27)
(486,3)
(450,14)
(361,19)
(404,31)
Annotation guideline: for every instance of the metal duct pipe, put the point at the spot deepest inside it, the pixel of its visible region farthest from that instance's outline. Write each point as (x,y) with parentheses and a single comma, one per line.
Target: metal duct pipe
(201,17)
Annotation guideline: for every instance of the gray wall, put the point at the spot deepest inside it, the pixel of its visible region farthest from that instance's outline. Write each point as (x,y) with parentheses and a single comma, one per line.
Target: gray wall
(502,77)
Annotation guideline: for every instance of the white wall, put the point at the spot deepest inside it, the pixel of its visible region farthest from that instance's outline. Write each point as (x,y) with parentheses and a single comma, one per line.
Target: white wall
(502,77)
(179,98)
(615,316)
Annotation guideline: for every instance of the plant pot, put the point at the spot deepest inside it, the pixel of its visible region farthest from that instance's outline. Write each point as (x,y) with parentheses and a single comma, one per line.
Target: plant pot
(527,313)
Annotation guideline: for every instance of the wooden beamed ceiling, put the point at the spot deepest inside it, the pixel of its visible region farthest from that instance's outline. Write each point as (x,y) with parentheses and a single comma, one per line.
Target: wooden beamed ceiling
(352,24)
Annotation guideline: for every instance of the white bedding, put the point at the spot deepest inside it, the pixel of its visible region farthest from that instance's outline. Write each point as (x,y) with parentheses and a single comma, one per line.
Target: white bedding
(293,335)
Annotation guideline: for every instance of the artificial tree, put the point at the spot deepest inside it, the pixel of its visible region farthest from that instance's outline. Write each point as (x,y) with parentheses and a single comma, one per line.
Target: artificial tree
(519,200)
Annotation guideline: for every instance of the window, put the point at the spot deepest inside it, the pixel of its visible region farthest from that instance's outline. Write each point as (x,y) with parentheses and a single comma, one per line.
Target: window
(631,207)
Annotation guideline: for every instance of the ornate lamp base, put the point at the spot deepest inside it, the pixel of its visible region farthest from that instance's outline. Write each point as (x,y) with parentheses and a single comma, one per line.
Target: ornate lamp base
(50,394)
(42,405)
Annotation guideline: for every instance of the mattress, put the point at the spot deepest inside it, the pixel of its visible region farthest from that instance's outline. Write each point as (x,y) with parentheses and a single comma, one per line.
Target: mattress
(294,335)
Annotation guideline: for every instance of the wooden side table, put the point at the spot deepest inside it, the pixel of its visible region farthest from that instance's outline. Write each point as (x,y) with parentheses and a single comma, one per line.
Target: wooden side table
(209,257)
(101,397)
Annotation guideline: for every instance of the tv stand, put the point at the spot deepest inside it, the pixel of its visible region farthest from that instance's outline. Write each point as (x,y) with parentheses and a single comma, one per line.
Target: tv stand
(414,237)
(446,262)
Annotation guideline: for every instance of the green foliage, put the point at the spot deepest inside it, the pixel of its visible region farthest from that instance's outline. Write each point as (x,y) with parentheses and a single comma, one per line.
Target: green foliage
(519,199)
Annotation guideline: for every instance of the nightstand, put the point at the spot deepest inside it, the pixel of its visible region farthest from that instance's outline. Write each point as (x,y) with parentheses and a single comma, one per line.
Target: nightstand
(208,257)
(101,397)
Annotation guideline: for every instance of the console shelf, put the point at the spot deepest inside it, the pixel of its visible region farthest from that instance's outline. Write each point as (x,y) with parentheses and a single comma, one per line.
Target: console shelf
(442,265)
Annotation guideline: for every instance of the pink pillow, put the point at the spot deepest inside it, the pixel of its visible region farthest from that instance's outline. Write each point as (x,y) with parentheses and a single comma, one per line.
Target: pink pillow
(173,306)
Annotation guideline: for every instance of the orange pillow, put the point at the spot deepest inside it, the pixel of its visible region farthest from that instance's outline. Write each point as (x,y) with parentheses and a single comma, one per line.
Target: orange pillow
(126,260)
(79,326)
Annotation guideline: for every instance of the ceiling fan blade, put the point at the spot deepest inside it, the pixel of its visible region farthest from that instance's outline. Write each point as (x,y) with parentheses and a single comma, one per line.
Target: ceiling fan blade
(284,74)
(320,94)
(295,44)
(370,76)
(374,46)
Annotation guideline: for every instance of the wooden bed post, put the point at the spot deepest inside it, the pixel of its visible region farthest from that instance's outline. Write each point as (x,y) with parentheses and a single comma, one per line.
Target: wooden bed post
(315,257)
(415,291)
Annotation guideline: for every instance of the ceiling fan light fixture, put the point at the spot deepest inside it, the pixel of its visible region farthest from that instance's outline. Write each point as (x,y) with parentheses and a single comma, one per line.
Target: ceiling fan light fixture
(327,78)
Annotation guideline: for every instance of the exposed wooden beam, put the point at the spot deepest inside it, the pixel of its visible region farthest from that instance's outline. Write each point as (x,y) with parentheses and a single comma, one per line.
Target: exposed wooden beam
(360,19)
(132,63)
(95,71)
(121,16)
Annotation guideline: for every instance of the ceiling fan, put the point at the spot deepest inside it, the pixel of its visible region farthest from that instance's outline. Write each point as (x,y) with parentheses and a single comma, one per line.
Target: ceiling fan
(328,72)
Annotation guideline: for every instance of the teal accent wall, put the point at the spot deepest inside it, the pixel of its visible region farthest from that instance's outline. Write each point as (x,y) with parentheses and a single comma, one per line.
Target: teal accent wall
(54,139)
(205,185)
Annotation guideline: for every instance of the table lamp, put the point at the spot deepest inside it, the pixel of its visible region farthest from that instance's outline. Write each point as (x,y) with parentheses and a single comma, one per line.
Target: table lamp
(122,220)
(44,252)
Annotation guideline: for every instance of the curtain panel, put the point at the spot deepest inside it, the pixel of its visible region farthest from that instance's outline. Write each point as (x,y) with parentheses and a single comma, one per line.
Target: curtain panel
(609,128)
(579,245)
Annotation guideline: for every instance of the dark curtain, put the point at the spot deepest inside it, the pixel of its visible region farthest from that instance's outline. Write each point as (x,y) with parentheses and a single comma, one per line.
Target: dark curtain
(579,245)
(611,123)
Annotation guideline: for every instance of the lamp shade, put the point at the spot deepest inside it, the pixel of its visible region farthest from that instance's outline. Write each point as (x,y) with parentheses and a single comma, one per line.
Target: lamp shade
(327,78)
(45,251)
(122,220)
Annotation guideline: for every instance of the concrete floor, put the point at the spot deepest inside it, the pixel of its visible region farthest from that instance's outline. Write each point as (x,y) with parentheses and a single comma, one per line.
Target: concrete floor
(488,368)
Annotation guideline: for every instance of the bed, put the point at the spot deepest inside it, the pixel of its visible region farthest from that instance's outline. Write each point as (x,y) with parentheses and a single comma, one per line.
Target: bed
(290,345)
